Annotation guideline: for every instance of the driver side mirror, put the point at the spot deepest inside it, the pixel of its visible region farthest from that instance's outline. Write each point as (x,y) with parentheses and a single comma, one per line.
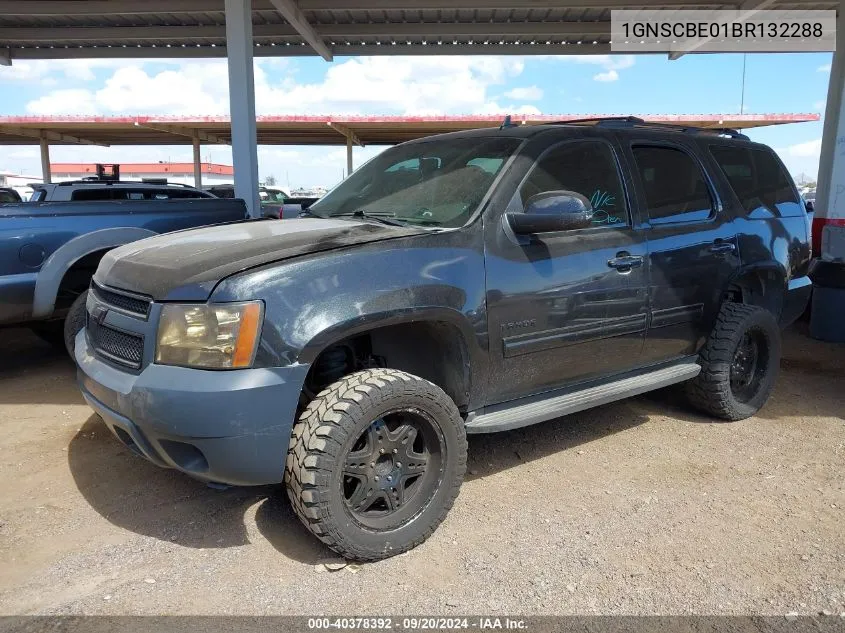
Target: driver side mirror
(809,206)
(552,211)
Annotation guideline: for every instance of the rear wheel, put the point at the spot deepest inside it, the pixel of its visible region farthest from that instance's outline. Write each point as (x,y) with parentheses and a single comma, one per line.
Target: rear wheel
(375,463)
(739,363)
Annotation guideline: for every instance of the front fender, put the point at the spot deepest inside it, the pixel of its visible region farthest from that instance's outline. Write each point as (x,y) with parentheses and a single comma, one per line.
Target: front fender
(54,269)
(368,322)
(314,301)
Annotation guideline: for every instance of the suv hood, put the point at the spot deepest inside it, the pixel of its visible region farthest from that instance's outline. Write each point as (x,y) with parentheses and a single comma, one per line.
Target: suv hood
(187,265)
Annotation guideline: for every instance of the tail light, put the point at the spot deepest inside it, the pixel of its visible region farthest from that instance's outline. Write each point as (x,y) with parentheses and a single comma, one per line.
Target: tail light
(818,227)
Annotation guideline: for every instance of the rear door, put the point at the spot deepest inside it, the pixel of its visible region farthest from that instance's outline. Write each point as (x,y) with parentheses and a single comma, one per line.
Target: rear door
(566,306)
(692,245)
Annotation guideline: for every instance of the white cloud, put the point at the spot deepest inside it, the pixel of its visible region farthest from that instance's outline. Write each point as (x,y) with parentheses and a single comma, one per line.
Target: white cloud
(187,88)
(50,72)
(609,62)
(193,90)
(825,68)
(808,148)
(528,93)
(801,157)
(820,106)
(369,85)
(70,101)
(397,85)
(610,75)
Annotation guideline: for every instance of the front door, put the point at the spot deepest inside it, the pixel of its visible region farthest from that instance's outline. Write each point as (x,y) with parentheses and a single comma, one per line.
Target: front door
(567,306)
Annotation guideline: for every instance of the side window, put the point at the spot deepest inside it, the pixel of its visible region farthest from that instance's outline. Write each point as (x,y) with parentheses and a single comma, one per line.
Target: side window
(675,189)
(91,194)
(758,179)
(585,167)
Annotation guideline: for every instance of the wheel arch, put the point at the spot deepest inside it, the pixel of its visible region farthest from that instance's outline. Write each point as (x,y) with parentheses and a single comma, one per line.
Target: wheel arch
(53,271)
(436,344)
(763,285)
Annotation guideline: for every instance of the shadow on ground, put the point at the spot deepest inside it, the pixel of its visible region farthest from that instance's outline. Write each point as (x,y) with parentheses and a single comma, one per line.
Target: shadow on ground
(33,371)
(137,496)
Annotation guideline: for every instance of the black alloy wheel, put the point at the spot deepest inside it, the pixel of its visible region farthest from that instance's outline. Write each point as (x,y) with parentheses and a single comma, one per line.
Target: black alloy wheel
(393,469)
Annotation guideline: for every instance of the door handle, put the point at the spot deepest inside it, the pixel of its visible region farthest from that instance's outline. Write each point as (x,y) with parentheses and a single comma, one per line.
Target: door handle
(624,262)
(722,246)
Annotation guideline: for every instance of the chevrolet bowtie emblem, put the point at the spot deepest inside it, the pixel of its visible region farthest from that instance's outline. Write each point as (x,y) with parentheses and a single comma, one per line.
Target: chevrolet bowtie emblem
(99,314)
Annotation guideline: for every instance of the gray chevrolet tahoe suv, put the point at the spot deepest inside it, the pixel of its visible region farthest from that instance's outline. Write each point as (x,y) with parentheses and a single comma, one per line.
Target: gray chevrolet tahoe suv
(465,283)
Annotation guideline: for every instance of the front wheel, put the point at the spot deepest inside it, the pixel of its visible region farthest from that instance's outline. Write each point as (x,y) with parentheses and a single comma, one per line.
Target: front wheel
(739,363)
(375,463)
(74,322)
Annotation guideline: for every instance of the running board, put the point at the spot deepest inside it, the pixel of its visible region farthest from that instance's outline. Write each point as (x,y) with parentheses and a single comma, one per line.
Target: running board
(519,415)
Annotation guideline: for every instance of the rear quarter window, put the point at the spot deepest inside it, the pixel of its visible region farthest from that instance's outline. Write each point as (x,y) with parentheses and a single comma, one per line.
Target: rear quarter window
(759,180)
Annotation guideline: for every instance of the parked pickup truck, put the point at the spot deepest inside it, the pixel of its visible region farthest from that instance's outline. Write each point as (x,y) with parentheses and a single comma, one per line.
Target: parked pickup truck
(465,283)
(50,250)
(275,203)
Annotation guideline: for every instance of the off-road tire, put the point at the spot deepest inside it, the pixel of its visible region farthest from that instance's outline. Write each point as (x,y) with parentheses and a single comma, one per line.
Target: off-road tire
(711,391)
(326,431)
(74,321)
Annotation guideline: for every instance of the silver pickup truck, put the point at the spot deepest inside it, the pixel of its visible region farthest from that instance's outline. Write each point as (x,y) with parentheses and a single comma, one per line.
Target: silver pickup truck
(50,250)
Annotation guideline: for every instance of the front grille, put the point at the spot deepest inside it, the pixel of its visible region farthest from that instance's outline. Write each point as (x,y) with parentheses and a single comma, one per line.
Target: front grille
(114,345)
(127,303)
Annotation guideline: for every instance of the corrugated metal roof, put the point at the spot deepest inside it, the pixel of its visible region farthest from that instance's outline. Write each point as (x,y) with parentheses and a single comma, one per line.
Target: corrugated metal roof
(49,29)
(312,130)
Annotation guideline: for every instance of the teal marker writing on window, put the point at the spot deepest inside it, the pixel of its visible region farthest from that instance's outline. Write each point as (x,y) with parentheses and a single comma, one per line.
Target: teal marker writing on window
(603,203)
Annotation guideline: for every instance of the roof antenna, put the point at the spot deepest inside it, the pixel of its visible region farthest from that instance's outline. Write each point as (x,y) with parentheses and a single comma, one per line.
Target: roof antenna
(506,122)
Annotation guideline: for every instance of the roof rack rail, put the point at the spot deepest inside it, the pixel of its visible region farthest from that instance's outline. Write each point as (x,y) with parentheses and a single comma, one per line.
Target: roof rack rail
(633,121)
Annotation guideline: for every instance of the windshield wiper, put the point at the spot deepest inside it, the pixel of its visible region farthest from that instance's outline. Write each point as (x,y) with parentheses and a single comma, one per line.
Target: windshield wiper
(378,217)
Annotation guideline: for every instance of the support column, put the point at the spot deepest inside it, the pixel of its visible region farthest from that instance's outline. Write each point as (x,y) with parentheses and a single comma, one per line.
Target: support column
(242,102)
(829,220)
(348,156)
(46,174)
(197,164)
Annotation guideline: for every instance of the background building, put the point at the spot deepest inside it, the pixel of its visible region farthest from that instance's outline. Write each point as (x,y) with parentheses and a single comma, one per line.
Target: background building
(212,173)
(11,179)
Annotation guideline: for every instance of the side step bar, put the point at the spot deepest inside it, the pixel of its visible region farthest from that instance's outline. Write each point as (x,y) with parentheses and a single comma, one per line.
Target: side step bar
(519,415)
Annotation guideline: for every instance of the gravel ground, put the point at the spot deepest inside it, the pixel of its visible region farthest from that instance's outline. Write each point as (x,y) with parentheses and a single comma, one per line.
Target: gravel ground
(641,507)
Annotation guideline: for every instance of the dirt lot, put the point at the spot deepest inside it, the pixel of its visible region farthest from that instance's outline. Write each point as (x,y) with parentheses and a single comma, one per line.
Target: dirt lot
(638,507)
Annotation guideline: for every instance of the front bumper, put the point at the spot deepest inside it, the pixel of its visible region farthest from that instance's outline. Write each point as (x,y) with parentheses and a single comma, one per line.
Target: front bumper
(230,427)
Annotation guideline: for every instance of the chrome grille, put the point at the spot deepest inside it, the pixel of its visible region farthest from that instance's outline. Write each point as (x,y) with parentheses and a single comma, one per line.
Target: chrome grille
(127,303)
(114,345)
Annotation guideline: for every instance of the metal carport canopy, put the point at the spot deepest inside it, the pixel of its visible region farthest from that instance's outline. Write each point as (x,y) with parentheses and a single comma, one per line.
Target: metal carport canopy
(311,130)
(60,29)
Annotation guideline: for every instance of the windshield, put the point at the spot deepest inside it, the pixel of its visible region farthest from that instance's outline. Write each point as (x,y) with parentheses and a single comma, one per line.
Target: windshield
(433,183)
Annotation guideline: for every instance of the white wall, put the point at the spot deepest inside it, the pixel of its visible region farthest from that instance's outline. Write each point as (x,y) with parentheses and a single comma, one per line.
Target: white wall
(187,179)
(17,180)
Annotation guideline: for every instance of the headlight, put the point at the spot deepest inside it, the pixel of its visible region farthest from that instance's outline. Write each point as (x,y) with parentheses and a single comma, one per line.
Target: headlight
(222,336)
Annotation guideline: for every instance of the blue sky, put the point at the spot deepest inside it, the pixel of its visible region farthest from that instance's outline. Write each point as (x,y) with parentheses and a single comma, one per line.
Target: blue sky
(775,83)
